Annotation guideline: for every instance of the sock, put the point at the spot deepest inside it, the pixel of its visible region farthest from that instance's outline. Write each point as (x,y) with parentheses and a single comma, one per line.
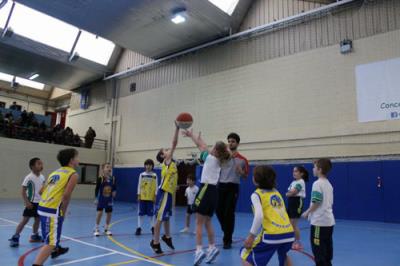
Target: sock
(199,248)
(152,220)
(140,221)
(211,246)
(96,227)
(106,227)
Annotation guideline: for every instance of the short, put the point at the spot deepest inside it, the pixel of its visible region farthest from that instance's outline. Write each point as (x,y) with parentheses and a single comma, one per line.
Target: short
(51,229)
(261,253)
(206,199)
(31,212)
(146,207)
(295,207)
(107,209)
(163,205)
(189,209)
(106,204)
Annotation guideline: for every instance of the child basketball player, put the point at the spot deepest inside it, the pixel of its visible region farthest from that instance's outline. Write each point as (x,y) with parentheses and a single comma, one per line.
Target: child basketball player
(190,194)
(296,195)
(105,191)
(270,215)
(54,203)
(169,181)
(31,190)
(146,193)
(320,214)
(206,199)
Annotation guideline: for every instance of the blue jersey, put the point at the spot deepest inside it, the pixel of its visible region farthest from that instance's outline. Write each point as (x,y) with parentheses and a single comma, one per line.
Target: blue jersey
(105,186)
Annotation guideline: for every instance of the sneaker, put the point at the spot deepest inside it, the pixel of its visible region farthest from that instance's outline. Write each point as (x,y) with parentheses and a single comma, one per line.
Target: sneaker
(35,238)
(138,231)
(152,230)
(297,245)
(227,245)
(156,247)
(185,230)
(168,241)
(107,232)
(14,241)
(58,251)
(199,257)
(212,254)
(96,232)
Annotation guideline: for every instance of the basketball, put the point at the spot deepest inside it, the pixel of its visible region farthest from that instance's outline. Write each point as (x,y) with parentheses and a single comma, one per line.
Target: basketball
(184,120)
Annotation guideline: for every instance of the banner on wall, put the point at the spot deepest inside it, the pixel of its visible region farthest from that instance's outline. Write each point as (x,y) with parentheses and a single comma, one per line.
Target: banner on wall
(378,90)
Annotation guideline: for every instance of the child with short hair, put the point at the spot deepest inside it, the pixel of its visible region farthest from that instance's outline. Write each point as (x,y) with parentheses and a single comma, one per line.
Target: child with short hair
(104,192)
(31,191)
(320,214)
(54,203)
(296,195)
(270,215)
(190,193)
(146,193)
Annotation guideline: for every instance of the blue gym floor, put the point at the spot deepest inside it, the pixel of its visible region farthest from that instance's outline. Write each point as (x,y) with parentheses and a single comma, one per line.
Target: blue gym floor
(355,242)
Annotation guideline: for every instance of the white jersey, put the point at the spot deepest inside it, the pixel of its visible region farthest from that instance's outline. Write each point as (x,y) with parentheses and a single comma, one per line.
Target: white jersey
(190,194)
(322,192)
(211,170)
(33,186)
(300,186)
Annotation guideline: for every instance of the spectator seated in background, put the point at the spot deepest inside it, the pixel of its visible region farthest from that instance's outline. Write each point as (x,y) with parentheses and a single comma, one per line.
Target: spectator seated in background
(89,137)
(77,142)
(14,106)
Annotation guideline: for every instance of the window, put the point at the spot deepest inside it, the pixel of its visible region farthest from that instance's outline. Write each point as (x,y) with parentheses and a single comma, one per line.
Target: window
(30,83)
(228,6)
(94,48)
(42,28)
(88,173)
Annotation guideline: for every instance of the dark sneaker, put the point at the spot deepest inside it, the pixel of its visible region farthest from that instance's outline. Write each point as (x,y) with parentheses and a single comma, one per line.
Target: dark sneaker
(58,251)
(14,241)
(156,247)
(152,231)
(138,231)
(168,241)
(227,245)
(35,238)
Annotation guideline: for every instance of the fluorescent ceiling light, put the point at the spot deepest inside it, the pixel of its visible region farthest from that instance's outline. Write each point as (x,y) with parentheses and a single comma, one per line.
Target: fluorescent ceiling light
(30,83)
(34,76)
(94,48)
(228,6)
(178,18)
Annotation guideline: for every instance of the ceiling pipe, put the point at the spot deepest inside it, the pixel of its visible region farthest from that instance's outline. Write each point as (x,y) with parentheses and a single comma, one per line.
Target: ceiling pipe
(240,35)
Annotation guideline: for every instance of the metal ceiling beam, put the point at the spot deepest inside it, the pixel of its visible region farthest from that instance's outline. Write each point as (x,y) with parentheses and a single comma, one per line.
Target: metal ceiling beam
(241,35)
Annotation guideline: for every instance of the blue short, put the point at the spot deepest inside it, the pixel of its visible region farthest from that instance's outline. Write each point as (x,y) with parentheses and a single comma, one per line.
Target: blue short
(261,252)
(163,205)
(104,203)
(146,207)
(51,229)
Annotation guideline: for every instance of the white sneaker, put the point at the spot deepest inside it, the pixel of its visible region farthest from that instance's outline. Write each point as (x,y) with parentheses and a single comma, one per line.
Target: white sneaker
(108,232)
(96,232)
(185,230)
(212,254)
(199,257)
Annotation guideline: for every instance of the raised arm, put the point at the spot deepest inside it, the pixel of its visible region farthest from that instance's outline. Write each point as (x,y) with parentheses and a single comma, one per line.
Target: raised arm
(170,153)
(200,143)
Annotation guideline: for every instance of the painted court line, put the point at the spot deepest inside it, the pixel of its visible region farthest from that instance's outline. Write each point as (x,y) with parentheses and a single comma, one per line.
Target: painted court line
(99,247)
(85,259)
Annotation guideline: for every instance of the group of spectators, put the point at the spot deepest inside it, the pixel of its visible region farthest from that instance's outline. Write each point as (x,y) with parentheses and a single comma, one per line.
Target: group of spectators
(27,127)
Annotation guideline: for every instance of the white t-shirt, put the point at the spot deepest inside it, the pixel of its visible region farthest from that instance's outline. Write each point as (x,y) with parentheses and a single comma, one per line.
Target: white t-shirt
(322,191)
(190,194)
(211,171)
(33,185)
(300,186)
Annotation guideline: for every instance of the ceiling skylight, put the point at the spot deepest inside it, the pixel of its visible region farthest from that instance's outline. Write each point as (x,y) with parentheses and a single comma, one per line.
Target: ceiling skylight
(42,28)
(22,81)
(94,48)
(228,6)
(6,77)
(4,11)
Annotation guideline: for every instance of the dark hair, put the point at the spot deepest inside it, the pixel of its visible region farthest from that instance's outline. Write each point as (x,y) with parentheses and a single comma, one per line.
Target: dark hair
(65,156)
(223,154)
(264,176)
(303,171)
(234,136)
(160,156)
(149,162)
(324,164)
(33,161)
(191,177)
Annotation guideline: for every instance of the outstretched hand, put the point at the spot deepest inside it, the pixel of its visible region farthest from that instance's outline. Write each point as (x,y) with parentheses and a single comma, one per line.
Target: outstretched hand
(187,133)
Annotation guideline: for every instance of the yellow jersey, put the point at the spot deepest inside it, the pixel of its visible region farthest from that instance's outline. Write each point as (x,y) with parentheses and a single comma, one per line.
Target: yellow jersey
(276,224)
(54,191)
(147,186)
(169,177)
